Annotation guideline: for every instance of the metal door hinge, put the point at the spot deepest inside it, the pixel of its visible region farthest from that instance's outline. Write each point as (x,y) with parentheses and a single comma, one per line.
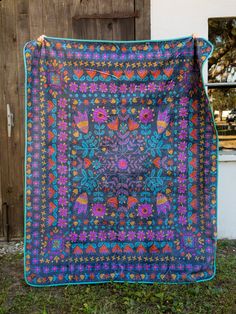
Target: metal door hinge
(10,121)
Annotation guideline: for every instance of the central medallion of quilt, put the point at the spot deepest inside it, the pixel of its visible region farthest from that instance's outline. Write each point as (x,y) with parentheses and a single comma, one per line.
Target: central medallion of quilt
(121,162)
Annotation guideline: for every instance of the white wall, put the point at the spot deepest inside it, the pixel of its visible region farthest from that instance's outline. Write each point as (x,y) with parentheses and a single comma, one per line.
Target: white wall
(227,197)
(180,18)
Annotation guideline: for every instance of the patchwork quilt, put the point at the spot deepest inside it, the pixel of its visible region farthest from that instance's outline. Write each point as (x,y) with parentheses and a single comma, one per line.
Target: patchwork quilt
(120,162)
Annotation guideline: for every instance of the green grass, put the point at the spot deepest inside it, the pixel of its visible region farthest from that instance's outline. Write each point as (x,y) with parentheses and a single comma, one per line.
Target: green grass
(215,296)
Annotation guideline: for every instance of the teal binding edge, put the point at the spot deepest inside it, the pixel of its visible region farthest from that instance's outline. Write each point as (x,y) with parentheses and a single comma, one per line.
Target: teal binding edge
(25,158)
(217,153)
(120,41)
(25,161)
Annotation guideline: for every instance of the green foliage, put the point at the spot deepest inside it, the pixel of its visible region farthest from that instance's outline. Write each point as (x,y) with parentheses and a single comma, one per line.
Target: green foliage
(223,98)
(222,33)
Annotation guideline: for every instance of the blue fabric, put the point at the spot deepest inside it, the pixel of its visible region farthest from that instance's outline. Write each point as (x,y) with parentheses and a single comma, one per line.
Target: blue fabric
(121,162)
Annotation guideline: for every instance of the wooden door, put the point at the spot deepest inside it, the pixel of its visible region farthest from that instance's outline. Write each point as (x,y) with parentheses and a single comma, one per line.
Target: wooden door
(24,20)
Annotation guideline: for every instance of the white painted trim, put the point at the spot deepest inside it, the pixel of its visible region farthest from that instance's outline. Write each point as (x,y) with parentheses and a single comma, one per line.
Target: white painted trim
(227,156)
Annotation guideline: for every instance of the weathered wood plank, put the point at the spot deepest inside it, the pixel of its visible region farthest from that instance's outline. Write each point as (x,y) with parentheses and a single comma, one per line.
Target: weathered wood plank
(3,142)
(99,28)
(22,36)
(64,25)
(36,18)
(13,180)
(50,18)
(111,15)
(142,24)
(84,29)
(104,26)
(123,29)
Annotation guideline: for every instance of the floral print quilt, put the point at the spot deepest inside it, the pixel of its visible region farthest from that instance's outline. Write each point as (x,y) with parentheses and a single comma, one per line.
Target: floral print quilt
(120,163)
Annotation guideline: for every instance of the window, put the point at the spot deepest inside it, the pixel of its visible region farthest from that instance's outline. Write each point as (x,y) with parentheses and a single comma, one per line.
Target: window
(222,78)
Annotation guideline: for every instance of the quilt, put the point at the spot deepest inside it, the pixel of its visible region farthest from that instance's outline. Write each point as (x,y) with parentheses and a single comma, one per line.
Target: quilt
(120,162)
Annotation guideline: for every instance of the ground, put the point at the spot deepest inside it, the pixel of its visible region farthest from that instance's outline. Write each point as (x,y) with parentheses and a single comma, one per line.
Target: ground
(211,297)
